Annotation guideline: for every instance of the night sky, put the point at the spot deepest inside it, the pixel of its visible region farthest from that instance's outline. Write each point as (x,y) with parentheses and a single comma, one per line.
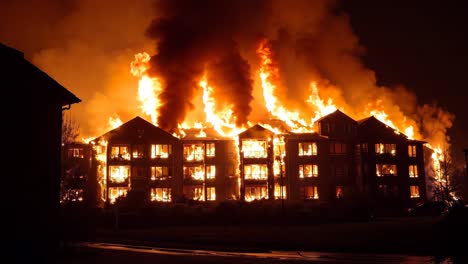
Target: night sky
(422,45)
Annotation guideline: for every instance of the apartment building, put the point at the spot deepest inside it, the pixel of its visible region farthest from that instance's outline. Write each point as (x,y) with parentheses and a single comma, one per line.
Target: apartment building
(344,158)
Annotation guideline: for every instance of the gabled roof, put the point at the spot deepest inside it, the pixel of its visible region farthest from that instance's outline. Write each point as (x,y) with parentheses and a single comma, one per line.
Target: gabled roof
(22,68)
(336,114)
(136,129)
(373,123)
(256,131)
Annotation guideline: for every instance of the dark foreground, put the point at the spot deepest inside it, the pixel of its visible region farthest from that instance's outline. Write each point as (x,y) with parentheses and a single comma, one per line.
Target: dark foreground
(115,254)
(381,240)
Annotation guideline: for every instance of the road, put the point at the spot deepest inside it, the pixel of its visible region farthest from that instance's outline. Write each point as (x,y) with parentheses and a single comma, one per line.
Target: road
(118,253)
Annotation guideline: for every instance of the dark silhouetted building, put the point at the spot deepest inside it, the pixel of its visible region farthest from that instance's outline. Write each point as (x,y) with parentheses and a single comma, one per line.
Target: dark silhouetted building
(33,123)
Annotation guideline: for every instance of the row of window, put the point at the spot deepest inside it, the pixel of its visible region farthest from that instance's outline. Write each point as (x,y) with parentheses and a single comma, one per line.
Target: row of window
(391,170)
(191,152)
(251,192)
(119,174)
(389,149)
(250,149)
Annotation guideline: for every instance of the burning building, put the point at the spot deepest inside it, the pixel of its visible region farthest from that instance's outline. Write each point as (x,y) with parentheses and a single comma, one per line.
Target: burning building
(343,159)
(258,100)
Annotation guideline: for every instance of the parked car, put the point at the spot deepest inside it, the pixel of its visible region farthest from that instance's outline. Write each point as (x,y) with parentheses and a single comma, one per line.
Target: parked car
(431,208)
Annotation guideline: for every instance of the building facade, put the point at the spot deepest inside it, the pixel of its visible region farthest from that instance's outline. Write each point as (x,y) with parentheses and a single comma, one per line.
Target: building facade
(342,160)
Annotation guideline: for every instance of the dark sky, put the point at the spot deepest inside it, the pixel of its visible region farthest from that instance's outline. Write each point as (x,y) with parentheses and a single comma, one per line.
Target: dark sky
(422,45)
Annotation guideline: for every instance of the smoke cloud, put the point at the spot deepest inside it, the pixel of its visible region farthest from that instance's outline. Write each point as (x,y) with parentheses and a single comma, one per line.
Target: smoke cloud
(88,46)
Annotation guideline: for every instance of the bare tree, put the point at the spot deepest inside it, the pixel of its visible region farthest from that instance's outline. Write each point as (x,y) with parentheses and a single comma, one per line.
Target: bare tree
(70,129)
(447,179)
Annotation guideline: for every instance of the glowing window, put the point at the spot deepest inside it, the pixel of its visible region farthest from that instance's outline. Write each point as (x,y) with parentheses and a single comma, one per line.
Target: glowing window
(194,152)
(414,191)
(280,191)
(256,172)
(310,192)
(194,192)
(255,148)
(119,174)
(412,151)
(255,193)
(138,151)
(120,153)
(210,194)
(75,153)
(210,149)
(413,171)
(194,172)
(381,148)
(308,170)
(307,148)
(160,151)
(160,173)
(116,192)
(385,170)
(210,171)
(161,194)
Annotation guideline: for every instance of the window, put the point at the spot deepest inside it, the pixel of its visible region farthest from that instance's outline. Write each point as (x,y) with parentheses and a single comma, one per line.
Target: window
(412,151)
(194,152)
(308,170)
(339,192)
(160,151)
(255,193)
(280,191)
(385,170)
(71,195)
(138,151)
(210,171)
(310,192)
(120,153)
(210,194)
(413,171)
(198,194)
(161,194)
(337,148)
(210,149)
(414,191)
(256,172)
(75,153)
(381,148)
(307,148)
(116,192)
(194,172)
(119,174)
(194,192)
(160,173)
(255,148)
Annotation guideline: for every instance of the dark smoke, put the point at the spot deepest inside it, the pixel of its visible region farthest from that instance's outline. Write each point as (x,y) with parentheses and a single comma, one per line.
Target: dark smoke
(193,36)
(232,73)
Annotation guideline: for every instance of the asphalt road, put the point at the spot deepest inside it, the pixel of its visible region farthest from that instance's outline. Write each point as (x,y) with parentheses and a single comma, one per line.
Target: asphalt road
(103,253)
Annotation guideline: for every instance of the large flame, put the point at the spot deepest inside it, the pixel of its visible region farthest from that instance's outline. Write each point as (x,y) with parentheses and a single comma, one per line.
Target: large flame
(220,118)
(148,87)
